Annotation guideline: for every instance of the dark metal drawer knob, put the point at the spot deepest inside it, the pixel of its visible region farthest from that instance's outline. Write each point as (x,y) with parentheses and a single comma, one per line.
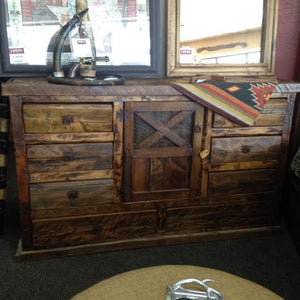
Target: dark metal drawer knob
(245,149)
(72,195)
(67,120)
(68,156)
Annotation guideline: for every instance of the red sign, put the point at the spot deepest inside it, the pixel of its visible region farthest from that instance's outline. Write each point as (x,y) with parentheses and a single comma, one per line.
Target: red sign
(16,51)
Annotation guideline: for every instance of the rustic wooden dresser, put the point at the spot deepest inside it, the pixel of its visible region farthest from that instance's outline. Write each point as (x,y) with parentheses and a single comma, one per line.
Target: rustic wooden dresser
(118,167)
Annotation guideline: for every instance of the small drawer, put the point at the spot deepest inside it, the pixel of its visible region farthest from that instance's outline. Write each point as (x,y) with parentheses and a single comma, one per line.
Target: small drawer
(54,118)
(242,182)
(69,157)
(273,114)
(71,194)
(241,149)
(93,229)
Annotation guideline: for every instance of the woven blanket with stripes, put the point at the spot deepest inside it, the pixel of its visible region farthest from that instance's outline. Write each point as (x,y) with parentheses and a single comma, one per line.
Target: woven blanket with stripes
(240,102)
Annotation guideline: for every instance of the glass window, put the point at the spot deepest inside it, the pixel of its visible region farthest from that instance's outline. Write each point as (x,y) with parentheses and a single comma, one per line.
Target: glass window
(121,30)
(121,33)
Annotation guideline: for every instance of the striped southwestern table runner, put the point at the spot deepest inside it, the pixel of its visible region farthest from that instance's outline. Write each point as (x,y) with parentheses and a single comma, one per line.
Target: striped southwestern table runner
(240,102)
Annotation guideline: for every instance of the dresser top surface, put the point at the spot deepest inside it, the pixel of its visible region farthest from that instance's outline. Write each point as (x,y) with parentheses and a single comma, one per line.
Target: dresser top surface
(132,87)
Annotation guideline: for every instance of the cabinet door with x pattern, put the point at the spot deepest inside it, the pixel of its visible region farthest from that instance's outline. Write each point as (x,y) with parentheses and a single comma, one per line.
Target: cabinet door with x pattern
(162,146)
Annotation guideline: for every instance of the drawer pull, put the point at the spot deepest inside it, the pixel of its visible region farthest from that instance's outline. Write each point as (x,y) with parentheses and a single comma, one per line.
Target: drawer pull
(68,156)
(72,195)
(67,120)
(197,129)
(82,228)
(97,228)
(204,153)
(245,149)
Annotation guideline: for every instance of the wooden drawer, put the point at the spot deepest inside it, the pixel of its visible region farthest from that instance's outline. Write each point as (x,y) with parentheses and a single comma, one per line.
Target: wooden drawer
(70,194)
(53,118)
(93,229)
(242,182)
(273,114)
(241,149)
(221,217)
(69,157)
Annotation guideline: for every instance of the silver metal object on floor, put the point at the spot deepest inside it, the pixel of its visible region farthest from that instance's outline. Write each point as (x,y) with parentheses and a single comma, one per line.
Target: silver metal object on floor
(177,291)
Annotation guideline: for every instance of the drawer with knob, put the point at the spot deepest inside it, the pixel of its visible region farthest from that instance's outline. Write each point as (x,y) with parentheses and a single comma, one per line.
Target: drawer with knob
(273,114)
(234,153)
(67,118)
(59,195)
(62,232)
(67,159)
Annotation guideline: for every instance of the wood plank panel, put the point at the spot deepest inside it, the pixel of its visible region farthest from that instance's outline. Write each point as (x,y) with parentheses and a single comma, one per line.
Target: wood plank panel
(140,175)
(69,157)
(175,194)
(271,115)
(165,131)
(162,152)
(118,117)
(212,217)
(269,120)
(244,165)
(241,149)
(93,229)
(176,173)
(197,146)
(247,131)
(206,147)
(242,182)
(263,119)
(70,194)
(156,177)
(52,118)
(37,166)
(88,137)
(164,106)
(22,172)
(128,149)
(73,151)
(70,176)
(152,138)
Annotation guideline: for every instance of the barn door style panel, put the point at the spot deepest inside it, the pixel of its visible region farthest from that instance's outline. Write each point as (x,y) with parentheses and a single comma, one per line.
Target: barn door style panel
(162,146)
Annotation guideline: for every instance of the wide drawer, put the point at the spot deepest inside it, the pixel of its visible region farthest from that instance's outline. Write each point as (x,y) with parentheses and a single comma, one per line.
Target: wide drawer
(218,217)
(93,229)
(71,194)
(53,118)
(69,157)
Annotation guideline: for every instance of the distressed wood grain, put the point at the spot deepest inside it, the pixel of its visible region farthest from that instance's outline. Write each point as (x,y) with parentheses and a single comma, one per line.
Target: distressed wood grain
(241,149)
(242,182)
(69,157)
(68,194)
(213,217)
(51,118)
(92,229)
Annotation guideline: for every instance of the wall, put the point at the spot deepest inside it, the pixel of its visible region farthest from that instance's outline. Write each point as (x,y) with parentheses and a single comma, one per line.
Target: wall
(287,60)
